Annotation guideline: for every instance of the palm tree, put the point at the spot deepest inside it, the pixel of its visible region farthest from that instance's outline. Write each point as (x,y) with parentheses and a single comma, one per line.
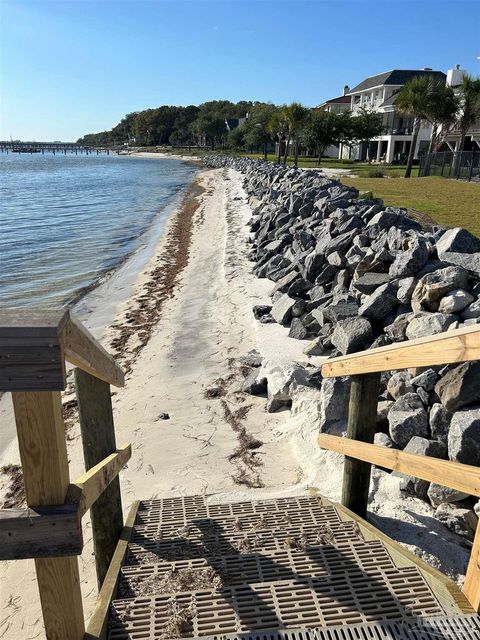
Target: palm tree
(469,97)
(441,113)
(296,116)
(414,99)
(277,126)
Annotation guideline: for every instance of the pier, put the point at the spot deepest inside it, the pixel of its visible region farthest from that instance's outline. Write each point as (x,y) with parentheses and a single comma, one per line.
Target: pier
(56,147)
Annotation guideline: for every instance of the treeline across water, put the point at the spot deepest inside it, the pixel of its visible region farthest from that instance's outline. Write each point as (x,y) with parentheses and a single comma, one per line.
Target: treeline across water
(170,125)
(242,125)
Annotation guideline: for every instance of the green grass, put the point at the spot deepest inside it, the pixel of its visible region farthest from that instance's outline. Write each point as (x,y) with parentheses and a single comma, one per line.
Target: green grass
(358,168)
(452,203)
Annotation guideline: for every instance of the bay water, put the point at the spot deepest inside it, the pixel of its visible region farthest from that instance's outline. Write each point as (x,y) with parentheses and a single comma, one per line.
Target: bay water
(66,221)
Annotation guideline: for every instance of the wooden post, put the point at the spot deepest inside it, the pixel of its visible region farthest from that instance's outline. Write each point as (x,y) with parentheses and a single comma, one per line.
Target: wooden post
(471,587)
(43,452)
(362,414)
(98,435)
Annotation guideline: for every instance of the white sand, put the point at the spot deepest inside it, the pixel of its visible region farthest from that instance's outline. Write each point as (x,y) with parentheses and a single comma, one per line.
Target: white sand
(207,323)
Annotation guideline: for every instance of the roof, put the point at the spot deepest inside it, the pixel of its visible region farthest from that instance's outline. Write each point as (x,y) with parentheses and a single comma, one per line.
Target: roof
(339,100)
(396,77)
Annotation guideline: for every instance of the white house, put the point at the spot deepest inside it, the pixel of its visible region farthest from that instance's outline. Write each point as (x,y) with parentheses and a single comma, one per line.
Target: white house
(452,138)
(378,93)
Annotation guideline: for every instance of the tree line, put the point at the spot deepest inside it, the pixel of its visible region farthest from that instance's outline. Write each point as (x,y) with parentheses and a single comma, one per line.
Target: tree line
(295,127)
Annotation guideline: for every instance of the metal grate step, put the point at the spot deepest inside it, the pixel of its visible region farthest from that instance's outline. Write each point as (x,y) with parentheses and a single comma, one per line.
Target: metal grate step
(348,598)
(183,509)
(212,541)
(454,628)
(153,526)
(288,564)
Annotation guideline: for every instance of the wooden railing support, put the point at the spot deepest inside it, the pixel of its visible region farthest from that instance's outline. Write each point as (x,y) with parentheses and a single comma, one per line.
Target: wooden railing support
(362,414)
(43,453)
(471,587)
(98,436)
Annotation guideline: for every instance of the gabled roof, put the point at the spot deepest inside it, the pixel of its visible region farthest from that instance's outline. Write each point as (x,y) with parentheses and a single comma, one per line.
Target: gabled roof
(396,77)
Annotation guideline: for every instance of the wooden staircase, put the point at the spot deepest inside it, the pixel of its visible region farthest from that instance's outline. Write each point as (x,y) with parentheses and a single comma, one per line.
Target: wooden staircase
(297,568)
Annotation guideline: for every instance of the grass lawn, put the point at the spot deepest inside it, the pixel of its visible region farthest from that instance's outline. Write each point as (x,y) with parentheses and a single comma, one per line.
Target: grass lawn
(452,203)
(359,168)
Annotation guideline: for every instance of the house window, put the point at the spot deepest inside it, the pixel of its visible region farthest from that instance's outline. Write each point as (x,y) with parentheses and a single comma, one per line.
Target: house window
(356,100)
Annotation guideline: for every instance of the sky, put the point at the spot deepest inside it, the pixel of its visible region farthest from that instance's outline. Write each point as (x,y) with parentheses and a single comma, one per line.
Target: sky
(73,67)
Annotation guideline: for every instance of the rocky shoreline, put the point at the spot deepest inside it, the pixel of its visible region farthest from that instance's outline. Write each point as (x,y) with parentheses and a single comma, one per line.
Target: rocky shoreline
(350,274)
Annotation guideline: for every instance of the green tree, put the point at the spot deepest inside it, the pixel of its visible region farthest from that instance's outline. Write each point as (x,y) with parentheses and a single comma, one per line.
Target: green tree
(277,126)
(320,131)
(259,132)
(236,138)
(296,116)
(441,113)
(469,112)
(365,126)
(415,100)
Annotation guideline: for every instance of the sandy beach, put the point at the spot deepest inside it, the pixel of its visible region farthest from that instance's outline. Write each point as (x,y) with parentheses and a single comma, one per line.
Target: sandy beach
(180,336)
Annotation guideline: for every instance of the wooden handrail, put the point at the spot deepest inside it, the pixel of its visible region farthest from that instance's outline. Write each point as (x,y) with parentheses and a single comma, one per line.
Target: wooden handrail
(40,532)
(462,477)
(35,344)
(85,352)
(459,345)
(85,490)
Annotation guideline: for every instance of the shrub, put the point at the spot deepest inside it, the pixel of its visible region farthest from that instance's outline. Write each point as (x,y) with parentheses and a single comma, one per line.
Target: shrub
(347,161)
(376,173)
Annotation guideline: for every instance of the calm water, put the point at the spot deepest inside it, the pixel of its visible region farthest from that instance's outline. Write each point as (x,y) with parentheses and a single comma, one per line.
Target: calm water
(66,220)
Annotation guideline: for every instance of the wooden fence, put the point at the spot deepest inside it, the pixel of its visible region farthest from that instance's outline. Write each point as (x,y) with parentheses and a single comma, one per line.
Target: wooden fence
(460,345)
(34,347)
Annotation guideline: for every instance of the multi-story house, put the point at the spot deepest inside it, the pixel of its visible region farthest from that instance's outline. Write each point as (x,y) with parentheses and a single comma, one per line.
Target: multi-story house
(452,137)
(378,93)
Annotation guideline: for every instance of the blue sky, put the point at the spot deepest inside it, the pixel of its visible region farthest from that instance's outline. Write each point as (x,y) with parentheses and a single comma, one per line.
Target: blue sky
(77,66)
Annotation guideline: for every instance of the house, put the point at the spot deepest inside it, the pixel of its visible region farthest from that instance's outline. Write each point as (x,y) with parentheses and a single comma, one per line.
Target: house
(452,137)
(336,105)
(378,93)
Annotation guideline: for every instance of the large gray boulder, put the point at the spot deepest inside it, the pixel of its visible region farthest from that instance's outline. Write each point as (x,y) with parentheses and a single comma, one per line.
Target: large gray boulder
(455,301)
(407,418)
(432,287)
(397,331)
(380,303)
(421,447)
(461,521)
(405,290)
(439,420)
(438,494)
(399,384)
(409,261)
(472,311)
(464,436)
(335,312)
(315,347)
(461,248)
(460,386)
(282,309)
(370,281)
(426,379)
(423,324)
(334,399)
(352,334)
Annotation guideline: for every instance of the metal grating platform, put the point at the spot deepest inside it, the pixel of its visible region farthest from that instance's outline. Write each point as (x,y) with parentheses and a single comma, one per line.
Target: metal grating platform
(291,564)
(287,564)
(455,628)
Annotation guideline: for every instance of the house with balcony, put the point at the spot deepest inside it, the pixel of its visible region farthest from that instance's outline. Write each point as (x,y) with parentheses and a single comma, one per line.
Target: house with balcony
(452,137)
(378,93)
